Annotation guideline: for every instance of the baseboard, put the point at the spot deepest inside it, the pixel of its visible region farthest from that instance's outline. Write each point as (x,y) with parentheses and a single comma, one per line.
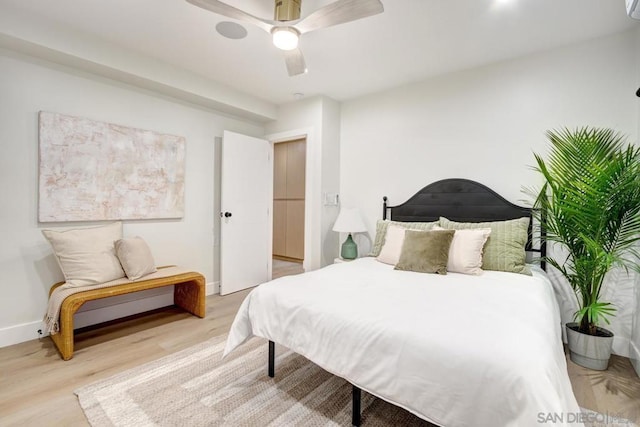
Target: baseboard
(621,345)
(99,311)
(118,311)
(213,288)
(286,258)
(634,355)
(19,333)
(94,312)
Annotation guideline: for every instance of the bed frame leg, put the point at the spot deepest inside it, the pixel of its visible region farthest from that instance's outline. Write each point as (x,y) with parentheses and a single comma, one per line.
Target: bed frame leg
(355,407)
(272,357)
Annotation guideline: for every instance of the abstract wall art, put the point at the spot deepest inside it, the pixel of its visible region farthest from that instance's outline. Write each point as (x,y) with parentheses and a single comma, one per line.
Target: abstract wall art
(92,170)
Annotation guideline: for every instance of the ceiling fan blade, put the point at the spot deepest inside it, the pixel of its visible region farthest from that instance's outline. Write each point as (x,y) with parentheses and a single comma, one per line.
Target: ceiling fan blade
(224,9)
(295,62)
(339,12)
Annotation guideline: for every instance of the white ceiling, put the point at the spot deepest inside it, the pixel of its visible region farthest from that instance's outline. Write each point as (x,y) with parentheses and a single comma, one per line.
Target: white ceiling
(410,41)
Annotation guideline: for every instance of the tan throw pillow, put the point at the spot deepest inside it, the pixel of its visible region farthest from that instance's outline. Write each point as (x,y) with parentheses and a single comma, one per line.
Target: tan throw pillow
(390,253)
(87,256)
(465,253)
(381,231)
(505,248)
(425,251)
(135,256)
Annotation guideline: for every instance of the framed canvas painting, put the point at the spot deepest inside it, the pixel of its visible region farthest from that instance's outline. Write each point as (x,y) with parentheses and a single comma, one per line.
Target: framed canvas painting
(91,170)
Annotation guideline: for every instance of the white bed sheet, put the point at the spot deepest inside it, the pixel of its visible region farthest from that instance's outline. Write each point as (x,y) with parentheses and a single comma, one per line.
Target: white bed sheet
(455,350)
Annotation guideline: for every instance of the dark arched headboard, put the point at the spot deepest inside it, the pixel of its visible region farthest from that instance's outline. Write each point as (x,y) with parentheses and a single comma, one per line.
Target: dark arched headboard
(461,200)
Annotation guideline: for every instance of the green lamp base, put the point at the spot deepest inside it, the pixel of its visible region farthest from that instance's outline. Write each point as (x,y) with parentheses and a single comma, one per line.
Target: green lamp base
(349,249)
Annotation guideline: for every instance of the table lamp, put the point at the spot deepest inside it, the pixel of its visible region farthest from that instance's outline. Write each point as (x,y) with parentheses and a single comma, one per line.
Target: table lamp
(349,221)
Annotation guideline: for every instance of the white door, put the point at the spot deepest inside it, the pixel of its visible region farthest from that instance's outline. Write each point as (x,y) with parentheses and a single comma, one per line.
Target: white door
(245,225)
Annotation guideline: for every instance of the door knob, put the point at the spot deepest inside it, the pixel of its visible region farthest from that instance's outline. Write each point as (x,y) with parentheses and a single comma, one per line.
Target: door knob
(226,214)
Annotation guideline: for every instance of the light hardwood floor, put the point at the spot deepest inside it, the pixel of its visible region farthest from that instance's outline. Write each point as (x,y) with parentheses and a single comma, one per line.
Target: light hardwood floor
(36,386)
(285,268)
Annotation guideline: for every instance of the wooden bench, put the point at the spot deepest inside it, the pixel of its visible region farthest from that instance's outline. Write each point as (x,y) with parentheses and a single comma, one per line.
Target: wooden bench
(189,294)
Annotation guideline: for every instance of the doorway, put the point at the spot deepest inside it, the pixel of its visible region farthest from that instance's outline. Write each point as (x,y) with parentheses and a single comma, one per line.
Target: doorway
(289,188)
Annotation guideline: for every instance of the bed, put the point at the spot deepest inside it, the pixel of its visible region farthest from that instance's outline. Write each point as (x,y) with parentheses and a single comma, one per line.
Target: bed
(455,349)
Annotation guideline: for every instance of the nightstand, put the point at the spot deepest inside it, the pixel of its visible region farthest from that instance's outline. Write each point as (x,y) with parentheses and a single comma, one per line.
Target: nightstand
(341,260)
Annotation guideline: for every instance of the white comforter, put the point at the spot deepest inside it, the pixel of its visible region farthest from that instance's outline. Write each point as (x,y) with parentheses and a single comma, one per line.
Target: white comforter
(455,350)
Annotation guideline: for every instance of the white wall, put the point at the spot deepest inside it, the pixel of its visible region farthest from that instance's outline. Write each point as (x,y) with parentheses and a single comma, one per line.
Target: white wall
(42,37)
(330,177)
(484,124)
(317,118)
(634,349)
(28,268)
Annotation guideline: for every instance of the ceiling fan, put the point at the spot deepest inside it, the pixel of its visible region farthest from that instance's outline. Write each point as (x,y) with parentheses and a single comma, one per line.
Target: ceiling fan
(287,27)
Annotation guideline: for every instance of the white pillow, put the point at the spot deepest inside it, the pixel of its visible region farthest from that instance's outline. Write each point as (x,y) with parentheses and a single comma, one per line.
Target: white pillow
(86,256)
(465,252)
(390,252)
(135,256)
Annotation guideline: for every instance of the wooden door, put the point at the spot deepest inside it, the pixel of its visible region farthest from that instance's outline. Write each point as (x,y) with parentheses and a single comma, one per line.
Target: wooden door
(295,229)
(289,194)
(280,228)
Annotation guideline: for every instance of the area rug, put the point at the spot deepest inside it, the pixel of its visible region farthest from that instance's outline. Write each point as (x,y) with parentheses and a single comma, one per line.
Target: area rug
(195,387)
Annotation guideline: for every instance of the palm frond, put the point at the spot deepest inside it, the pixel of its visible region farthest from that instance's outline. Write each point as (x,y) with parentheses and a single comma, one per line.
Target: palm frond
(590,203)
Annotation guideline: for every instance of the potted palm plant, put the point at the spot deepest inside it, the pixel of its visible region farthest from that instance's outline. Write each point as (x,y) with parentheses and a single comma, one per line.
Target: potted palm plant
(590,205)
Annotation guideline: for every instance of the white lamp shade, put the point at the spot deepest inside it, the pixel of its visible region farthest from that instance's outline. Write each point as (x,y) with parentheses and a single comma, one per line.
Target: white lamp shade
(349,221)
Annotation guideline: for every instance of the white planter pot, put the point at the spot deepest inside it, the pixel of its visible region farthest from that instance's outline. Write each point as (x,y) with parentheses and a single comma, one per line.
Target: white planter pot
(590,351)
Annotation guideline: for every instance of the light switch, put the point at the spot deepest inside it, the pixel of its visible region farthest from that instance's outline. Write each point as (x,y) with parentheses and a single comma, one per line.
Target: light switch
(331,199)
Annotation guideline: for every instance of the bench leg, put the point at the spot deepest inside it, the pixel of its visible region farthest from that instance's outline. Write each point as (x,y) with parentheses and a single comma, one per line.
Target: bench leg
(191,297)
(64,338)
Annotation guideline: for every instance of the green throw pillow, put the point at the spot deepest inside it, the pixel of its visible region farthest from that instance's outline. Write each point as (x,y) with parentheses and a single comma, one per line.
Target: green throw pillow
(505,248)
(425,251)
(381,231)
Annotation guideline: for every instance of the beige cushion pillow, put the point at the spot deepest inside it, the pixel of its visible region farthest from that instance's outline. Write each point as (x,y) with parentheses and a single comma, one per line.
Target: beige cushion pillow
(87,256)
(135,256)
(505,248)
(381,231)
(390,253)
(425,251)
(465,253)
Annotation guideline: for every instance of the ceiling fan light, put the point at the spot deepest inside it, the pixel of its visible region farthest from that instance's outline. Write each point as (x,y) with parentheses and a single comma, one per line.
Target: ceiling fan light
(285,38)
